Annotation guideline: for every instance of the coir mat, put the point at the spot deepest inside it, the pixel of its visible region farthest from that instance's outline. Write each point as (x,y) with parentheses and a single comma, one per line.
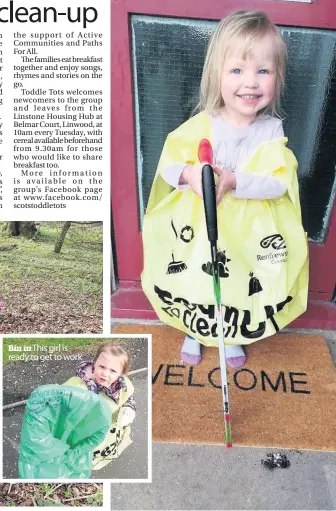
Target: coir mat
(285,395)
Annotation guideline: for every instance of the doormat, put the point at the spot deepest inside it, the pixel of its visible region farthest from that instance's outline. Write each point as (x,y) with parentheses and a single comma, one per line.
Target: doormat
(285,395)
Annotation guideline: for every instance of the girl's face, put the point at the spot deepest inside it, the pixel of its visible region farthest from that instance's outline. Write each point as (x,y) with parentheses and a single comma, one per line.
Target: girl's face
(248,86)
(107,369)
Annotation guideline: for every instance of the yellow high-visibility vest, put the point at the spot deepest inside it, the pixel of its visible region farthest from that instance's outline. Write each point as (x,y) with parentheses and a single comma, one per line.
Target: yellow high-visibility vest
(262,248)
(116,439)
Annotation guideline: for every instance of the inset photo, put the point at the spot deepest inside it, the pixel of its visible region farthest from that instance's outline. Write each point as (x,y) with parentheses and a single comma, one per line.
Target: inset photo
(51,276)
(77,408)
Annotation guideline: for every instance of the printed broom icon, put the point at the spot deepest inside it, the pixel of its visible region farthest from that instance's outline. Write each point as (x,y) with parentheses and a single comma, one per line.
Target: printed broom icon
(176,266)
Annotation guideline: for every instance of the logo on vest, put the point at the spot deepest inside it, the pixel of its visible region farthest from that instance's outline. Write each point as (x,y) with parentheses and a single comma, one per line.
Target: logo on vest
(275,242)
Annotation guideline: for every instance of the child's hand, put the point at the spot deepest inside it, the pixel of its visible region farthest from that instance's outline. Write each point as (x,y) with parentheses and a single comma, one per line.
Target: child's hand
(226,181)
(126,416)
(192,175)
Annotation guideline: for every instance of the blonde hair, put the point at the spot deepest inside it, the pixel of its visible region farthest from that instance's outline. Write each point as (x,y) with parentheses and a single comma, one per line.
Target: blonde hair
(117,351)
(251,26)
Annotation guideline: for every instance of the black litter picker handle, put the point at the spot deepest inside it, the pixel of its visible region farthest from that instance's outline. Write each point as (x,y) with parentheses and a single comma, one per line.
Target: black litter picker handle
(209,198)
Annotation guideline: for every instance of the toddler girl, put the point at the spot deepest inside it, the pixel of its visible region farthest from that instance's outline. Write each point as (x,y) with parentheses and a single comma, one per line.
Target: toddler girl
(106,375)
(242,80)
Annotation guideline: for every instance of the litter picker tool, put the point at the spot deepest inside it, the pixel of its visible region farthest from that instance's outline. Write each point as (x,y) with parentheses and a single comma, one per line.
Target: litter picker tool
(210,209)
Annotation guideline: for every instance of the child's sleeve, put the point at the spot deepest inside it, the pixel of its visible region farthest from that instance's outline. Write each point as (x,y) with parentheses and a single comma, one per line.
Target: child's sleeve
(172,174)
(130,403)
(257,186)
(278,131)
(127,412)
